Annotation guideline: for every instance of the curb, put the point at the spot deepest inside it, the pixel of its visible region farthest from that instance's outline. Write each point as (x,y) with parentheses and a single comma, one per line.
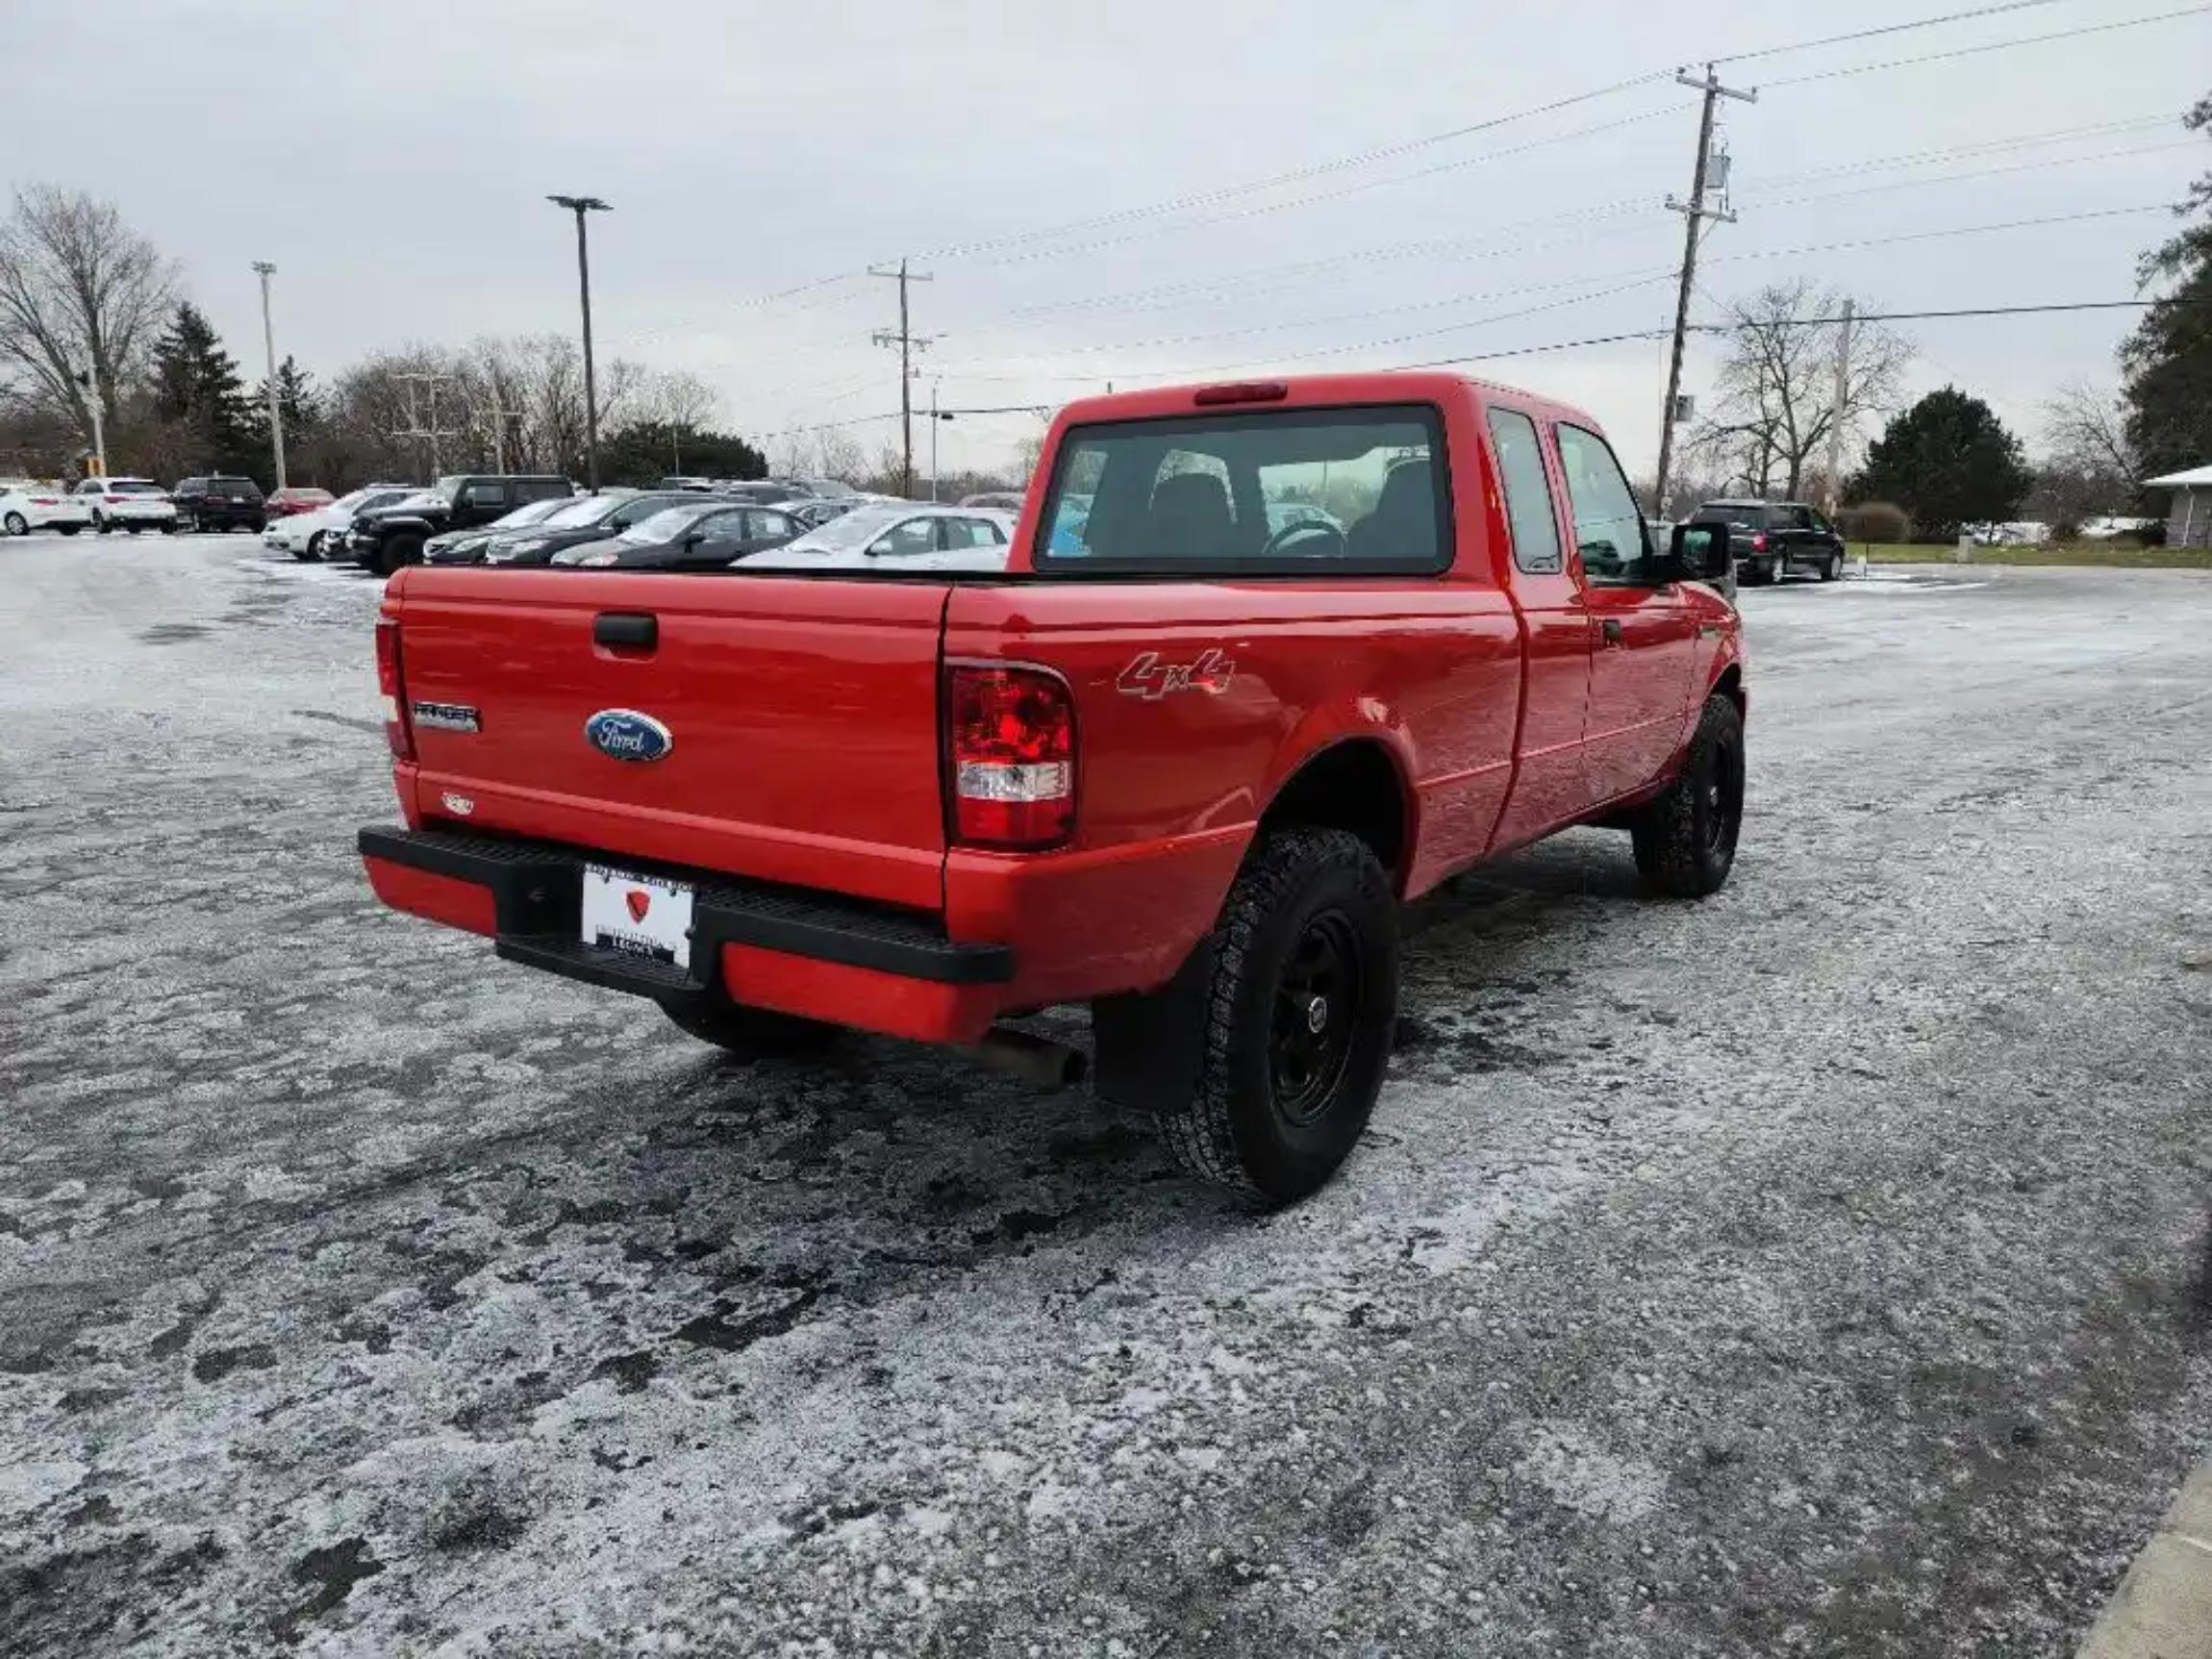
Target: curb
(2163,1608)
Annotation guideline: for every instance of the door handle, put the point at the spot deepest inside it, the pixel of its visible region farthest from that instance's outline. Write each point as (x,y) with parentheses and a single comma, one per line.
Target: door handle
(1611,629)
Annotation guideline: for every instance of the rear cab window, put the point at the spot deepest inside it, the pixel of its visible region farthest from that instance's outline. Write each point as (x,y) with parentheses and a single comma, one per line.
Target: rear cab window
(1278,492)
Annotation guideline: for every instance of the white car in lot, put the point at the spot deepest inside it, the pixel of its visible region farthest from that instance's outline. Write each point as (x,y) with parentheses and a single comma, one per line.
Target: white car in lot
(132,504)
(895,536)
(28,506)
(305,535)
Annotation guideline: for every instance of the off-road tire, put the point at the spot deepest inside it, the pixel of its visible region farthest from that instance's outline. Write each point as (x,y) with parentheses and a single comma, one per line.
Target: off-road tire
(1685,839)
(15,524)
(749,1033)
(1229,1125)
(395,551)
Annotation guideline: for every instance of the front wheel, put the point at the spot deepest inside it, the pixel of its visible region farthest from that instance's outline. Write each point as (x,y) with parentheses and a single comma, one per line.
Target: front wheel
(1296,1012)
(134,529)
(396,551)
(1684,838)
(748,1033)
(100,524)
(171,528)
(311,553)
(15,524)
(1832,567)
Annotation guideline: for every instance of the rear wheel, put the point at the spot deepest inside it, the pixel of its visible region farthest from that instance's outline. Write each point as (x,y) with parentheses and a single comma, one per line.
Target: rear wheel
(1296,1012)
(1684,838)
(15,524)
(134,529)
(170,528)
(311,553)
(749,1033)
(66,529)
(100,523)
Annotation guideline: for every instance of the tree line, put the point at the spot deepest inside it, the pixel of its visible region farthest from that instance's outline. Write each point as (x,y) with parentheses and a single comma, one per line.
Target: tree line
(91,314)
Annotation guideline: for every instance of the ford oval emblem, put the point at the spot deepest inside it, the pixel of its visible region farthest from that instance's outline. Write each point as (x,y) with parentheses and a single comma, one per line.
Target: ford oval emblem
(628,736)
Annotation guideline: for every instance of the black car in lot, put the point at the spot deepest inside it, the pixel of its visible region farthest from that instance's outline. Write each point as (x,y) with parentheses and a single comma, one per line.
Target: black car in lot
(586,519)
(692,535)
(394,536)
(1771,539)
(467,546)
(219,502)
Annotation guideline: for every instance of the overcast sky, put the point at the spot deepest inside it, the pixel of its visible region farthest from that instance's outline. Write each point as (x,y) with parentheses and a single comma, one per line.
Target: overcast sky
(392,159)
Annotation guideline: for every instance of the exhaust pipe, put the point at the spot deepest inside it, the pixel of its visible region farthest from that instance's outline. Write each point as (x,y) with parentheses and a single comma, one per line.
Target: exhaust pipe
(1035,1060)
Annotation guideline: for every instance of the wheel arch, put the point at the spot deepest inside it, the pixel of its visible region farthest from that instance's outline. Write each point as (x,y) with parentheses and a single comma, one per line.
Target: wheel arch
(1358,784)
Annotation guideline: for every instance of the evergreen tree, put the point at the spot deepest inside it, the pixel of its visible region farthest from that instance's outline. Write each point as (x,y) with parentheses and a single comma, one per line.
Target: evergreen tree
(2168,360)
(197,387)
(297,400)
(643,452)
(1948,461)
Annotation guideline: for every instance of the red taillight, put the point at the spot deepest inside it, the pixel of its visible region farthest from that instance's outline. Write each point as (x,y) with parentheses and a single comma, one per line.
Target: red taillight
(398,730)
(46,501)
(114,500)
(1010,752)
(1759,543)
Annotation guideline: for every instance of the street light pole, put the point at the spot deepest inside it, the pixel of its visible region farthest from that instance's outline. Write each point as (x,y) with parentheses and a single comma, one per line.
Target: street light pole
(580,206)
(268,345)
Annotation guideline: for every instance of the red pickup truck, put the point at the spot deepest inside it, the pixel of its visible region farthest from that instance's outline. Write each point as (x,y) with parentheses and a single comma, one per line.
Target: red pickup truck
(1265,660)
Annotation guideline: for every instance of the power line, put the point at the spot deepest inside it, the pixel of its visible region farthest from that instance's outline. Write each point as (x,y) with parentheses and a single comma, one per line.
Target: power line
(1990,46)
(1885,29)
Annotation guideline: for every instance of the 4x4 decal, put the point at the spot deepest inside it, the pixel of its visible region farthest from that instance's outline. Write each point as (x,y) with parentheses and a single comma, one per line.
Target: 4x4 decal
(1151,679)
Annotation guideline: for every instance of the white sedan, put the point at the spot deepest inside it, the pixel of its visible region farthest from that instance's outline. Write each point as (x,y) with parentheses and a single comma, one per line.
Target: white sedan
(304,535)
(897,535)
(28,506)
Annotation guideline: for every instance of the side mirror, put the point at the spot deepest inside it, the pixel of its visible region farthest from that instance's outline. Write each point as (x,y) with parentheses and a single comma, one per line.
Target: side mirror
(1696,553)
(693,537)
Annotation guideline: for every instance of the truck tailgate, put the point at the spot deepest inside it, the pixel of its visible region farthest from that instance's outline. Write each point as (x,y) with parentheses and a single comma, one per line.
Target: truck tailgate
(801,716)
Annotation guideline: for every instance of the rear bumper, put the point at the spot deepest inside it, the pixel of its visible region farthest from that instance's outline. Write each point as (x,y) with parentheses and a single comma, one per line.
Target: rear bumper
(820,955)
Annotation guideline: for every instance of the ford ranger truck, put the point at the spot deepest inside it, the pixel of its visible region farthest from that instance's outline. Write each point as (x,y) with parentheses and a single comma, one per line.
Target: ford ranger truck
(1265,661)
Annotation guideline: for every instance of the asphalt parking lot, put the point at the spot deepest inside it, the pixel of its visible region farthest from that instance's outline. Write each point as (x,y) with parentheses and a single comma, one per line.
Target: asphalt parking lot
(1822,1269)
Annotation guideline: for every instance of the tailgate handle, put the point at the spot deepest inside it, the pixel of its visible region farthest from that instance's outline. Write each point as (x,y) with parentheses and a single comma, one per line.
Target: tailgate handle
(639,633)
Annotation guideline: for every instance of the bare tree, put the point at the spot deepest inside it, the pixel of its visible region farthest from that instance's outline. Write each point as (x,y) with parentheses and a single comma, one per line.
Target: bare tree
(1775,398)
(2086,431)
(78,289)
(838,454)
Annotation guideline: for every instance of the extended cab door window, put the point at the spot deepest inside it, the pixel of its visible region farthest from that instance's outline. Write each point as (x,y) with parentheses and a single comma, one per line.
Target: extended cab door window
(1286,492)
(1528,493)
(1608,524)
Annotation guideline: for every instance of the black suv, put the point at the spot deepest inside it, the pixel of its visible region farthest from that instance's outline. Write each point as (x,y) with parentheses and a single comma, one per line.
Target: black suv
(220,503)
(1771,539)
(394,535)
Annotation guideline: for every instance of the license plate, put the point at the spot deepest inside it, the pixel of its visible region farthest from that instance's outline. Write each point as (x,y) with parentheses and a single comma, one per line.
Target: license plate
(641,915)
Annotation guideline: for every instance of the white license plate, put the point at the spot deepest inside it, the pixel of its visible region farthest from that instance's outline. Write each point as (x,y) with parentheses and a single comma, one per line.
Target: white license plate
(642,914)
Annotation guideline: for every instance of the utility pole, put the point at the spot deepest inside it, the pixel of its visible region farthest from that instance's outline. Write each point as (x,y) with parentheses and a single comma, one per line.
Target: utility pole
(907,342)
(414,428)
(1693,211)
(268,345)
(580,206)
(499,419)
(1843,409)
(935,416)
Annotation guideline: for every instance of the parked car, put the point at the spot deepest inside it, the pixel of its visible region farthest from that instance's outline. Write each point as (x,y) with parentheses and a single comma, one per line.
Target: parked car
(686,482)
(591,520)
(901,530)
(467,546)
(297,498)
(220,502)
(811,515)
(998,500)
(304,535)
(132,504)
(1771,539)
(28,506)
(1145,782)
(693,535)
(764,491)
(392,536)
